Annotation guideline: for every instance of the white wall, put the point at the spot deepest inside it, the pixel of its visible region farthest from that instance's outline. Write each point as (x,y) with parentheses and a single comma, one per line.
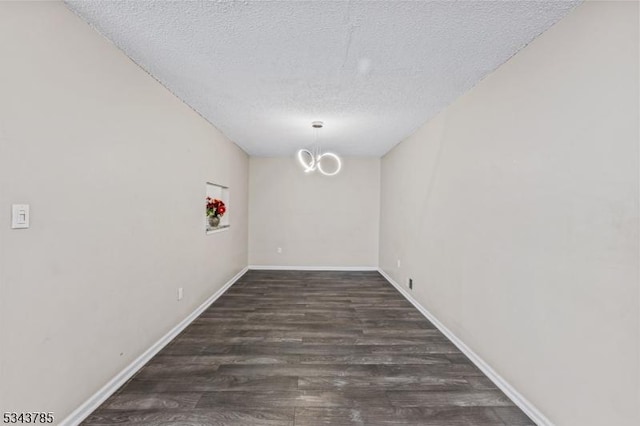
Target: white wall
(114,167)
(317,220)
(516,214)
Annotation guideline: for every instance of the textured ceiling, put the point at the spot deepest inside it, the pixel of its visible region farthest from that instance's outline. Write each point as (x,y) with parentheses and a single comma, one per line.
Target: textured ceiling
(261,71)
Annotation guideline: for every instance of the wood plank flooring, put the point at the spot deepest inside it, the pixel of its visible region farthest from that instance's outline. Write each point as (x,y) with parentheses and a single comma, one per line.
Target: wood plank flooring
(310,348)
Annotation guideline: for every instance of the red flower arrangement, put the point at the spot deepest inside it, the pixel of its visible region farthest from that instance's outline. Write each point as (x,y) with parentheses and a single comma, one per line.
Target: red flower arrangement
(215,207)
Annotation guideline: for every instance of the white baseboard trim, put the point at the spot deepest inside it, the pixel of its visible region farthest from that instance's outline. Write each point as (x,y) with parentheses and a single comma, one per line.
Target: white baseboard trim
(89,406)
(311,268)
(515,396)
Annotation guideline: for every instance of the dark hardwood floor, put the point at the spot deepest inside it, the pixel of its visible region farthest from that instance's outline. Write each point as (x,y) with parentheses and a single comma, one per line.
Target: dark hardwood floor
(310,348)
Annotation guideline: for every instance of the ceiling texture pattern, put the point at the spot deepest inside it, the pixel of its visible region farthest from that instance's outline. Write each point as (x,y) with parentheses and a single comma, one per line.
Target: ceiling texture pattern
(373,71)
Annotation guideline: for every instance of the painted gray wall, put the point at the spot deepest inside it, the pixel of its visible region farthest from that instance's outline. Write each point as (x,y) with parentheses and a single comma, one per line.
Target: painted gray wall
(516,215)
(317,220)
(114,168)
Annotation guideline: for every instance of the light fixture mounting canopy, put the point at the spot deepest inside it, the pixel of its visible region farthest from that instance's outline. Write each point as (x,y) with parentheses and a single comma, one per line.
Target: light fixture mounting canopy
(317,124)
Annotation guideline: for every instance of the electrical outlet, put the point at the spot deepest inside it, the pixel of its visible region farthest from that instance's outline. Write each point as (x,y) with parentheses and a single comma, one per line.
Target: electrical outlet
(398,263)
(411,283)
(180,293)
(279,250)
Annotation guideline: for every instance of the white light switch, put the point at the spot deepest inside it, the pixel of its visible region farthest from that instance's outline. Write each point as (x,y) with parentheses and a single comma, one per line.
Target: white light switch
(20,216)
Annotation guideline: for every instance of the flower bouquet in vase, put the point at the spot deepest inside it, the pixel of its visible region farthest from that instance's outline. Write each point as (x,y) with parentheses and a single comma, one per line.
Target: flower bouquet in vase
(215,210)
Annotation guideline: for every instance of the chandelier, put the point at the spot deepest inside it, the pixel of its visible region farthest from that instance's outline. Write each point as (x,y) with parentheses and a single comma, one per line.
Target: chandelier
(313,159)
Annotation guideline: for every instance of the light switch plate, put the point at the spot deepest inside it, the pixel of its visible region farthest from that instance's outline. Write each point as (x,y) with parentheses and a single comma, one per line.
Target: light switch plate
(19,216)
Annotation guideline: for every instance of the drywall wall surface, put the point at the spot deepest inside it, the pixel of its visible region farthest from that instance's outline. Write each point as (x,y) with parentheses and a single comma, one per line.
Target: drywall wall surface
(314,220)
(114,169)
(515,211)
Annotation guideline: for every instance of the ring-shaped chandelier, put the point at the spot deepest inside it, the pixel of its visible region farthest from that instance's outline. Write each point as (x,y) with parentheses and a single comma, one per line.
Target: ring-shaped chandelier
(311,160)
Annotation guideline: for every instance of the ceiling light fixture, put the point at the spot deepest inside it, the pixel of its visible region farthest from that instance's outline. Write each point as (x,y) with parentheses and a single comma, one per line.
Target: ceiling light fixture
(312,159)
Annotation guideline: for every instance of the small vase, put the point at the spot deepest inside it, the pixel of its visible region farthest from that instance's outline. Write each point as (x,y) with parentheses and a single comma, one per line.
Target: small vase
(214,221)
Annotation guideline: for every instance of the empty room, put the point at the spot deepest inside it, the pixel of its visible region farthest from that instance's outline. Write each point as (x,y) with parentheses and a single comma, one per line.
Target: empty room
(326,212)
